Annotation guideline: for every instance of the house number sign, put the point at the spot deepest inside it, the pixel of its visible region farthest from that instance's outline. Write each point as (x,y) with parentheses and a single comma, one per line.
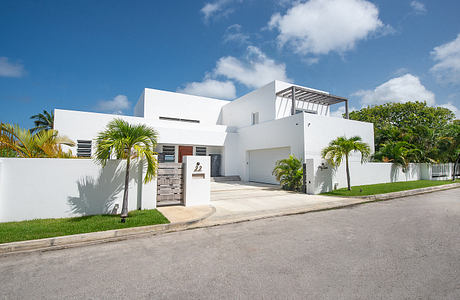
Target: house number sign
(198,167)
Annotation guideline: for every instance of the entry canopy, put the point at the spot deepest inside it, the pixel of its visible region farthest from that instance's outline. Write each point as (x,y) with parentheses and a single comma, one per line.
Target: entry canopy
(308,95)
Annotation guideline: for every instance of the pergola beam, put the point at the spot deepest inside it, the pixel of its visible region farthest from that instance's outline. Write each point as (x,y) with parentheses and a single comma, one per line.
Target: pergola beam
(296,93)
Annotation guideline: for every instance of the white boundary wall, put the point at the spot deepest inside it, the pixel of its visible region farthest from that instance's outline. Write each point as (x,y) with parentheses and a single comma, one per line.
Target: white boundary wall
(320,179)
(37,188)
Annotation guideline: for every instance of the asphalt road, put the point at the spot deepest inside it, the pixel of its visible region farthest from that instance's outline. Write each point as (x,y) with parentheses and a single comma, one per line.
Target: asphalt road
(406,248)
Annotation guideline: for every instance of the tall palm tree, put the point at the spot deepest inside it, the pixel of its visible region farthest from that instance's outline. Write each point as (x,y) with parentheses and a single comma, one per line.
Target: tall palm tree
(46,143)
(289,173)
(340,148)
(43,121)
(126,141)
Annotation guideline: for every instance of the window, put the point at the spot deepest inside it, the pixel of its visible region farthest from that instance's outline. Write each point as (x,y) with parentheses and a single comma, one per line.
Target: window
(255,118)
(180,120)
(200,151)
(84,148)
(169,153)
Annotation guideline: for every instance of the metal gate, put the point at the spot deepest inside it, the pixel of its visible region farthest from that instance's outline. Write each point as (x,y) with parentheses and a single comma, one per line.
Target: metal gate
(170,186)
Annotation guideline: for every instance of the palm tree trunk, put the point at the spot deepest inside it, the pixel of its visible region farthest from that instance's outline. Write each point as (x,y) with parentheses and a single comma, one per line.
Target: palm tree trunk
(124,209)
(455,167)
(348,172)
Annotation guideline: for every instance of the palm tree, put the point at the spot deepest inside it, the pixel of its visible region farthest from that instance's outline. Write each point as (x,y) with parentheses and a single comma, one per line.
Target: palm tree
(289,173)
(341,147)
(400,153)
(46,143)
(126,141)
(43,121)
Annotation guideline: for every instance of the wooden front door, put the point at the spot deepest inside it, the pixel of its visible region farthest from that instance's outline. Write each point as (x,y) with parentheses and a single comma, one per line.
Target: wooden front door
(184,150)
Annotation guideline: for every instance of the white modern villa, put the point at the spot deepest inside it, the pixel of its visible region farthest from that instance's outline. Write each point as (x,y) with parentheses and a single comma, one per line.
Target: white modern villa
(244,137)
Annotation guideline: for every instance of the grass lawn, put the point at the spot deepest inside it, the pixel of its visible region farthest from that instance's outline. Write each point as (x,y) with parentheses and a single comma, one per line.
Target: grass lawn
(382,188)
(44,228)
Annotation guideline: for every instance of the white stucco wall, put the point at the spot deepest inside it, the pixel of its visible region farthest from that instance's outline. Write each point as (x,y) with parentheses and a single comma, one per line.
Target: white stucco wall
(197,180)
(286,132)
(159,103)
(321,130)
(238,112)
(324,180)
(86,126)
(33,188)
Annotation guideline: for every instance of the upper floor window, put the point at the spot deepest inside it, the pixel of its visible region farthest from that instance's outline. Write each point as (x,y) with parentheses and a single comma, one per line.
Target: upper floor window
(255,118)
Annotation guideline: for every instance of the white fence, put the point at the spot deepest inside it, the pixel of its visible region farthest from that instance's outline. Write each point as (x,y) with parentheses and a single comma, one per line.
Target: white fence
(323,178)
(56,188)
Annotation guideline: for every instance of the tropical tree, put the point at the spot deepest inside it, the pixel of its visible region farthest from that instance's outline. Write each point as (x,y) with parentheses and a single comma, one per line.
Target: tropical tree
(43,121)
(46,143)
(342,147)
(433,130)
(289,173)
(399,153)
(125,141)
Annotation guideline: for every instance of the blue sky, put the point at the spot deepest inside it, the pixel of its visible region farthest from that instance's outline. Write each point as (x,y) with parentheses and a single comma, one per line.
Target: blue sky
(99,55)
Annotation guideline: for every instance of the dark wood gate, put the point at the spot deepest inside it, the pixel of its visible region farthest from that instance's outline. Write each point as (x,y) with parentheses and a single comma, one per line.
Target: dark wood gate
(170,186)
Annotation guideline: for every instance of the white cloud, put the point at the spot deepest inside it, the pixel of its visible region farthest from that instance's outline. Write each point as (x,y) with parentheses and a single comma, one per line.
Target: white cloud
(234,34)
(210,88)
(116,105)
(322,26)
(9,69)
(219,8)
(340,111)
(453,108)
(418,7)
(400,89)
(447,56)
(255,71)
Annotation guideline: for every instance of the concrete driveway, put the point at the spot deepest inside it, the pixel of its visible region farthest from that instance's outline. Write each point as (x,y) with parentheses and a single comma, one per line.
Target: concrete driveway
(245,199)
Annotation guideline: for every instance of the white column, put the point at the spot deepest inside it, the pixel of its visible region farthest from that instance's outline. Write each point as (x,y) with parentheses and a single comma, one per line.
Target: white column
(197,180)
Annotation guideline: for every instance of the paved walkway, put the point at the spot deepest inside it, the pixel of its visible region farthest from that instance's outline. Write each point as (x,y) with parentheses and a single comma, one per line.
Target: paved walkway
(185,214)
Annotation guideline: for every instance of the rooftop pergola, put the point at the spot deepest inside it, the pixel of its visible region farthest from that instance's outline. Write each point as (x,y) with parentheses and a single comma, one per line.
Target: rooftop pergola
(297,93)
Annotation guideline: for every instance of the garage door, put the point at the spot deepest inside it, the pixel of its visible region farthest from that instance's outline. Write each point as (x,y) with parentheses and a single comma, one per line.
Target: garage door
(262,162)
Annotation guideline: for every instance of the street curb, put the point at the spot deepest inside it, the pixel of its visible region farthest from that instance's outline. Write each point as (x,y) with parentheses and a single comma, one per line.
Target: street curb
(91,238)
(393,195)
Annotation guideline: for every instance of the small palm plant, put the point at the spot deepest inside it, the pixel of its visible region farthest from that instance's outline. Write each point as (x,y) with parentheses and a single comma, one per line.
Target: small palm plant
(340,148)
(126,141)
(46,143)
(289,173)
(399,153)
(43,121)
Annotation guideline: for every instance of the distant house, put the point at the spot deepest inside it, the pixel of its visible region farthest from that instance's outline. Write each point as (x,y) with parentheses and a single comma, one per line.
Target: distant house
(244,137)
